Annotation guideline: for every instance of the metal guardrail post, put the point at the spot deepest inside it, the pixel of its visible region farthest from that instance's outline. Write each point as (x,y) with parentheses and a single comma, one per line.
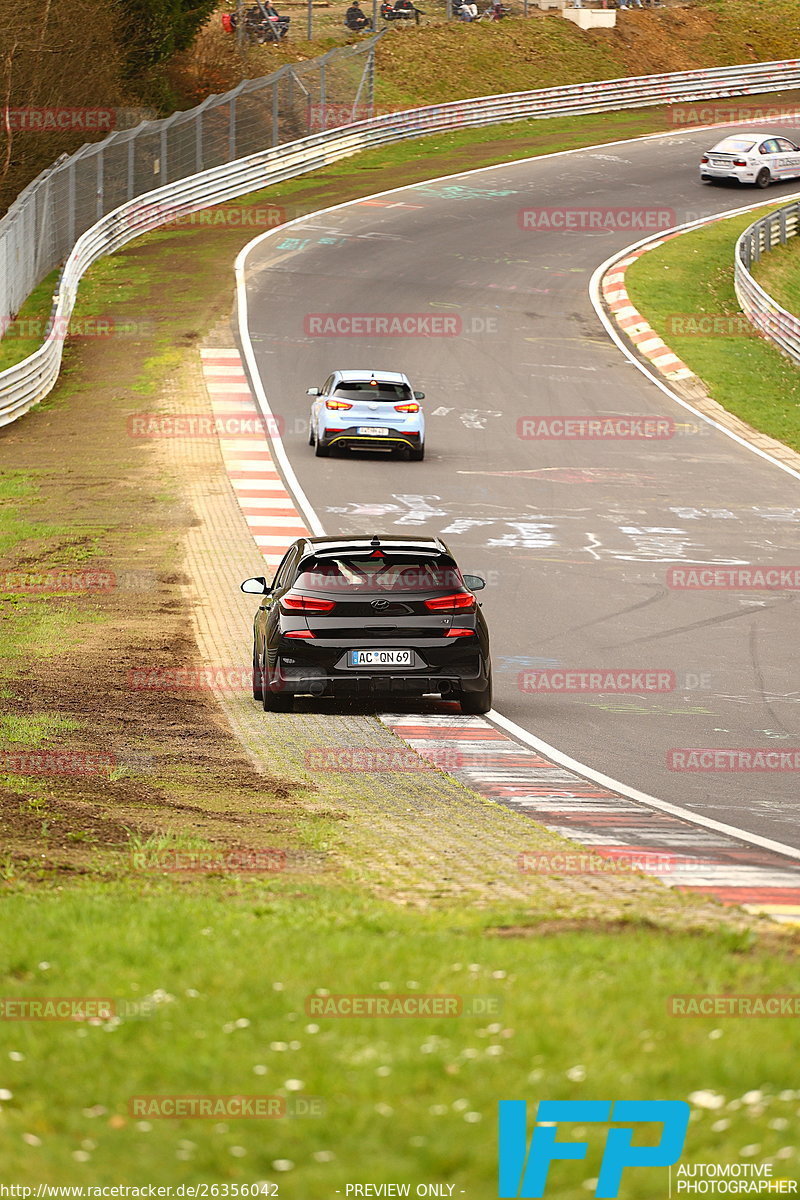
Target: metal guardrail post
(100,156)
(163,166)
(71,201)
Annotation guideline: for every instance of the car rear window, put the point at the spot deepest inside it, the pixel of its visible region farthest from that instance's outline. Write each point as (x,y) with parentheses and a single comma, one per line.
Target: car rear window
(355,389)
(371,574)
(734,145)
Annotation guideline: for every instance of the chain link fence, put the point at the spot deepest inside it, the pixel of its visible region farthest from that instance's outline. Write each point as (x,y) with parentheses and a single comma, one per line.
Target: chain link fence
(44,222)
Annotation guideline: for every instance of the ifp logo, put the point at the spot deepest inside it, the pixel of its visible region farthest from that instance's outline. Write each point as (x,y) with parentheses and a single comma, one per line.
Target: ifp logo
(523,1172)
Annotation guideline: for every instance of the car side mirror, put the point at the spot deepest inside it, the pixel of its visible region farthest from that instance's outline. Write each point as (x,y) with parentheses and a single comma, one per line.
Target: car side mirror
(313,392)
(419,395)
(474,582)
(257,586)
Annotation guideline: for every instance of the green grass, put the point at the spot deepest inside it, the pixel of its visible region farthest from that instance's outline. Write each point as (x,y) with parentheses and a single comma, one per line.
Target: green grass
(205,954)
(34,623)
(228,971)
(779,273)
(693,275)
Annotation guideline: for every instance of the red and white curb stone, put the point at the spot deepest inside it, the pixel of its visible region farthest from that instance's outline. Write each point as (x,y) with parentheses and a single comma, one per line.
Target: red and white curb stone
(263,498)
(485,758)
(633,324)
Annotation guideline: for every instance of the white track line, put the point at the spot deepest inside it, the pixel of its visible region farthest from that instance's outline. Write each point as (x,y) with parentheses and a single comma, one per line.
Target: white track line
(315,525)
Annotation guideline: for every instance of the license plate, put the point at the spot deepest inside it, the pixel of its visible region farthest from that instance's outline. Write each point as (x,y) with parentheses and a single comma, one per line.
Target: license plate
(372,431)
(720,162)
(379,658)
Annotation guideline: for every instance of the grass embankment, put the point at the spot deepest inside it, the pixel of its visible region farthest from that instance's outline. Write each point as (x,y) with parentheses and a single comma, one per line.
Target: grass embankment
(213,988)
(440,61)
(211,975)
(779,273)
(689,280)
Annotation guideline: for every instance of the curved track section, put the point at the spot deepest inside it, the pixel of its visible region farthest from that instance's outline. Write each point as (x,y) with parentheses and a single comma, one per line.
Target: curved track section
(576,537)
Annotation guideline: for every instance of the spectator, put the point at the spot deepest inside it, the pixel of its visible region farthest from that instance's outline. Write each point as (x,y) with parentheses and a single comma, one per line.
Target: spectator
(356,19)
(406,8)
(468,11)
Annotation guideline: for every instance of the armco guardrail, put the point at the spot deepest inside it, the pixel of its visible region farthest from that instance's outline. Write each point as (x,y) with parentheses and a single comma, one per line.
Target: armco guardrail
(780,326)
(24,385)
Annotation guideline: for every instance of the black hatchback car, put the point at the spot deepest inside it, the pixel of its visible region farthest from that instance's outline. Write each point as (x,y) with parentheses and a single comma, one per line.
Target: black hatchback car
(368,619)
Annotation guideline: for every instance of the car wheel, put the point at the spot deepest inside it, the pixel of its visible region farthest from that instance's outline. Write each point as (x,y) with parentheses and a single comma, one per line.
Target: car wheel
(763,179)
(257,679)
(417,454)
(477,703)
(274,701)
(320,450)
(311,435)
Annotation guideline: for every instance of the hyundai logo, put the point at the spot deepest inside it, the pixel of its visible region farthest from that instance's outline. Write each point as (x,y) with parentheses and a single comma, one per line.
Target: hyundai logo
(380,605)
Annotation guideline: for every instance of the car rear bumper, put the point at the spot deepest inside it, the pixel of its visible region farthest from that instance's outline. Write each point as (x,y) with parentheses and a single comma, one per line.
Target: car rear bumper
(315,681)
(395,439)
(741,174)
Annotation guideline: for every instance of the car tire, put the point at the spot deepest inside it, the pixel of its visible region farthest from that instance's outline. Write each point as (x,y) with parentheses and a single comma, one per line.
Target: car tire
(478,703)
(274,701)
(258,680)
(416,454)
(763,179)
(311,435)
(319,450)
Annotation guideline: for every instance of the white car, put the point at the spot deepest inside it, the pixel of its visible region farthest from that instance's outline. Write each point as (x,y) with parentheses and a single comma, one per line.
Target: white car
(367,410)
(751,157)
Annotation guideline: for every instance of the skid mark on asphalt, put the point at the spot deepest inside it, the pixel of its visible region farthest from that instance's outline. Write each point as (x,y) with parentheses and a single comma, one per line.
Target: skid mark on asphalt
(699,860)
(484,758)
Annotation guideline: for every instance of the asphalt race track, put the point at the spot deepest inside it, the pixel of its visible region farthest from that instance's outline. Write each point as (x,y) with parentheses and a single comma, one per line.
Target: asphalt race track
(576,537)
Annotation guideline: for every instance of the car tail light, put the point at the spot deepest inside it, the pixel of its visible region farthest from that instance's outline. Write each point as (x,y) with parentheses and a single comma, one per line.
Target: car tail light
(299,633)
(460,633)
(336,404)
(704,159)
(300,603)
(458,600)
(740,162)
(406,408)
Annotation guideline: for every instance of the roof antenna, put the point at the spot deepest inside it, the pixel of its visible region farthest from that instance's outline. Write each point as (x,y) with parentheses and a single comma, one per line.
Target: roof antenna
(376,541)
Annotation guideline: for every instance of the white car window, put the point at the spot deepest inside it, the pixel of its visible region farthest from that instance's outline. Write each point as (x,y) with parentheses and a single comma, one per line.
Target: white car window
(786,145)
(770,147)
